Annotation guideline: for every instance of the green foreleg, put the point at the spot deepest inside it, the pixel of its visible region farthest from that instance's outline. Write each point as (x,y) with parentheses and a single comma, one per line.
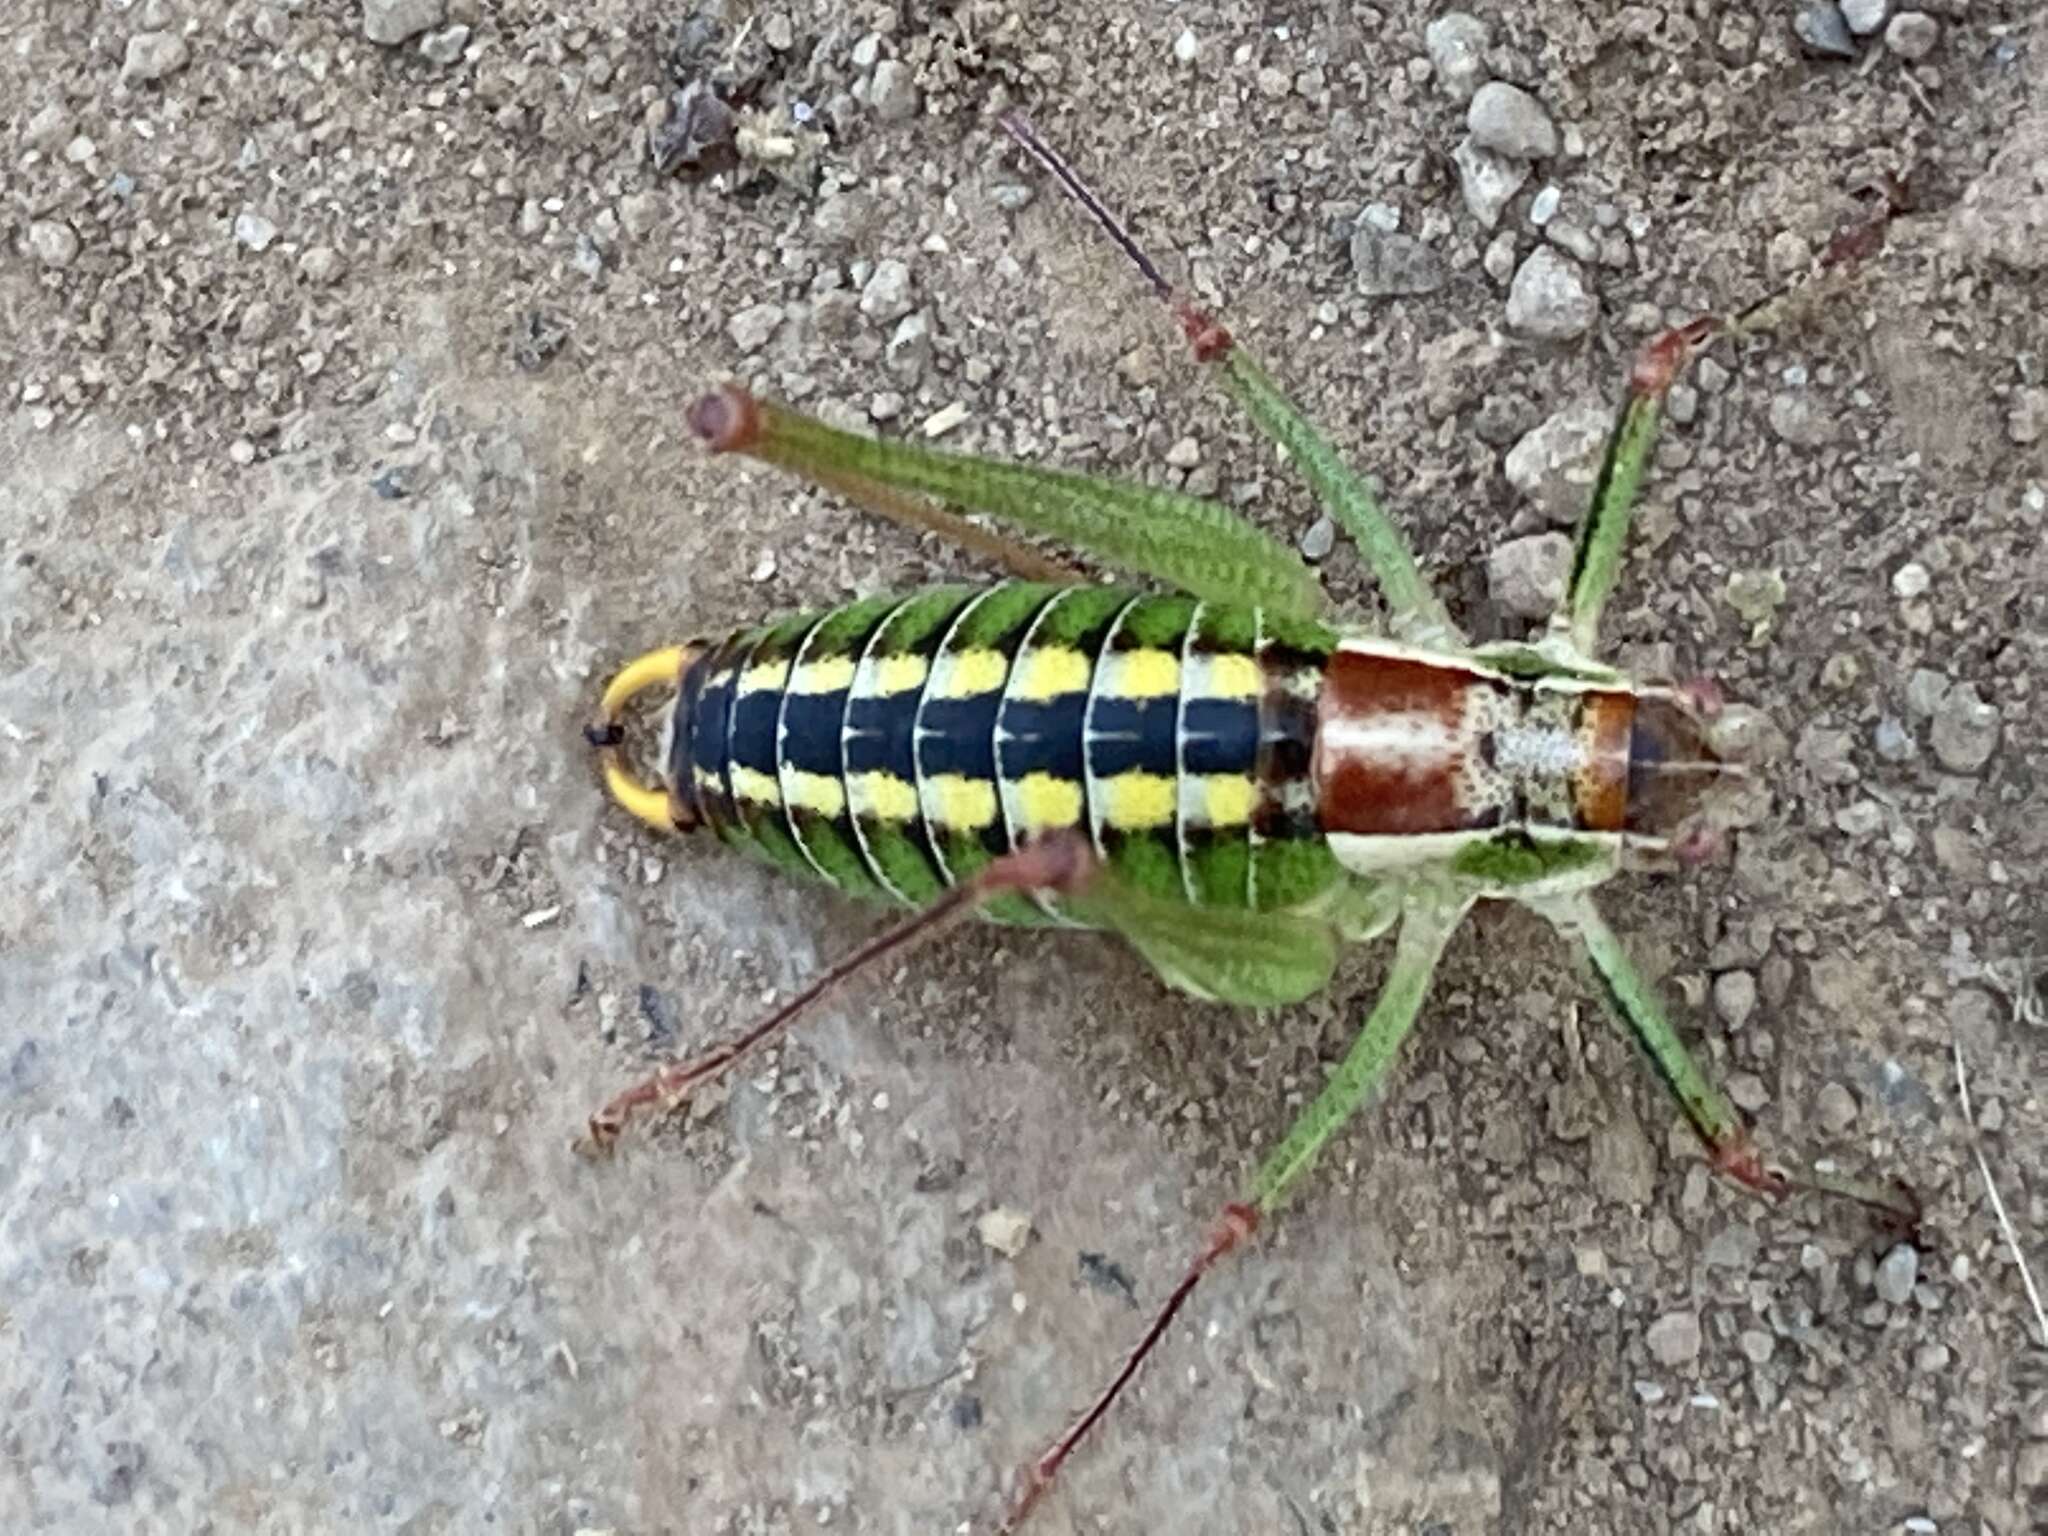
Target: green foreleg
(1424,931)
(1204,549)
(1603,531)
(1623,988)
(1417,614)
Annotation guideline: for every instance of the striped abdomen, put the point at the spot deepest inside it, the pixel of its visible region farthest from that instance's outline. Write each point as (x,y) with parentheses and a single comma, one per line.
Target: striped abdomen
(896,745)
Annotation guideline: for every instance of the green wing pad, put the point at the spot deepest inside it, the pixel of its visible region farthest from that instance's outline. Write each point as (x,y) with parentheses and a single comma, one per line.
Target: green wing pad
(1250,959)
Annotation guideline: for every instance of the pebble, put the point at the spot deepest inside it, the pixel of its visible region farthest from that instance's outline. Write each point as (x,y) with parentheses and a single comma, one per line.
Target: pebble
(1543,206)
(1735,997)
(254,231)
(1187,47)
(321,264)
(1499,260)
(886,294)
(1836,1107)
(1925,689)
(1390,265)
(1487,180)
(53,242)
(1865,16)
(1756,595)
(445,46)
(1797,420)
(1319,539)
(1549,299)
(1893,741)
(1897,1273)
(1457,48)
(1912,35)
(153,55)
(1757,1346)
(1005,1229)
(893,92)
(1674,1339)
(751,328)
(1733,1247)
(1911,580)
(1509,121)
(392,22)
(1965,731)
(1864,818)
(1526,576)
(2026,422)
(1820,29)
(639,212)
(1555,464)
(1931,1359)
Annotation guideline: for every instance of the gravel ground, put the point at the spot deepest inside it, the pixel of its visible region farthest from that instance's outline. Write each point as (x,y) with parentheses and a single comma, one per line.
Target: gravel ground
(344,357)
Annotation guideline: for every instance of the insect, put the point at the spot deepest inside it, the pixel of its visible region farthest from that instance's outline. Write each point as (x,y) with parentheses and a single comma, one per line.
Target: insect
(1210,767)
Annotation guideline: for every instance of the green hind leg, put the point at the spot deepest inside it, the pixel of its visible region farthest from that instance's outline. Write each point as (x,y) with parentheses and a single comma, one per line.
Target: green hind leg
(1728,1142)
(1417,614)
(1603,530)
(1204,549)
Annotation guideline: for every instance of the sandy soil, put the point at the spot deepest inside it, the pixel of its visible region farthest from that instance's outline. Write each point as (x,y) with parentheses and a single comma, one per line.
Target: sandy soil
(343,457)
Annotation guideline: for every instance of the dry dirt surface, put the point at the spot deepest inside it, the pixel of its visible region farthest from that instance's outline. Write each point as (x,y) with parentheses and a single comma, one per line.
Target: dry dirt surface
(344,365)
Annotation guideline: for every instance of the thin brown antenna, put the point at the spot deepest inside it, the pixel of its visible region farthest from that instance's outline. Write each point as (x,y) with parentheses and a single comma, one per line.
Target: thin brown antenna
(1018,126)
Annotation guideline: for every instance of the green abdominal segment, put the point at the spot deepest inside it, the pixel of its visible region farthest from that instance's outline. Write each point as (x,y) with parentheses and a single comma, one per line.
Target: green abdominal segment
(895,746)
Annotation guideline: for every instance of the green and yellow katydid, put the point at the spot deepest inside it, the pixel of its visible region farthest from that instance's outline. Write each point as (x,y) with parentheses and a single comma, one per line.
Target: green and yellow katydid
(1218,772)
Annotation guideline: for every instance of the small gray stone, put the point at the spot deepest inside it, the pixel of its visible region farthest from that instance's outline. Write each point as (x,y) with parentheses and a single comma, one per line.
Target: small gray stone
(50,124)
(1735,997)
(1499,259)
(1549,299)
(254,231)
(392,22)
(1555,464)
(1733,1247)
(321,265)
(445,46)
(1797,420)
(1457,48)
(153,55)
(1390,265)
(639,212)
(1526,576)
(893,92)
(1897,1273)
(1925,689)
(1674,1339)
(1621,1165)
(1487,180)
(2026,422)
(1864,16)
(1835,1106)
(1757,1346)
(752,327)
(1965,732)
(1893,741)
(1820,29)
(1319,540)
(1509,121)
(53,242)
(886,296)
(1912,35)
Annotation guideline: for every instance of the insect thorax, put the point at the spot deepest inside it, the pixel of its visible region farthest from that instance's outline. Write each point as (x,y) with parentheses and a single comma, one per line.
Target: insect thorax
(1429,760)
